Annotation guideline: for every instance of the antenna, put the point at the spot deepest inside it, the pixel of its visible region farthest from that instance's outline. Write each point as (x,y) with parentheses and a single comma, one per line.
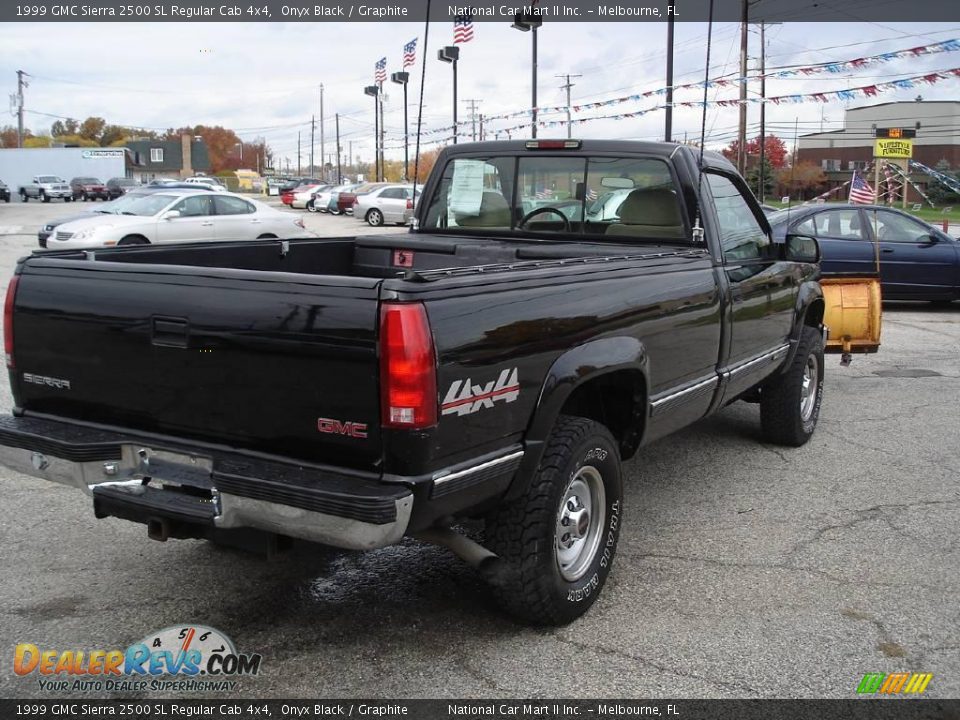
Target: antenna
(697,227)
(423,78)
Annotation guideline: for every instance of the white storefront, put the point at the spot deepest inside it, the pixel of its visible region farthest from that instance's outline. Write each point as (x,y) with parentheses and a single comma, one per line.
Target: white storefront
(18,166)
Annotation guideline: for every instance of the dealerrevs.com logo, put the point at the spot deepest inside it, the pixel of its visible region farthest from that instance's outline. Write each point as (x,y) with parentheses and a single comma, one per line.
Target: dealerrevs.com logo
(178,658)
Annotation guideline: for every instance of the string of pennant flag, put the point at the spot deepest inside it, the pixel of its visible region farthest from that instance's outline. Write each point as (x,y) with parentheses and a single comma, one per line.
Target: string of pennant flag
(834,68)
(866,91)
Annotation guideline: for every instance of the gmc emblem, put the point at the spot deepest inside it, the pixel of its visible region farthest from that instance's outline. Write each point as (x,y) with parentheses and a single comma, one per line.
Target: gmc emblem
(329,426)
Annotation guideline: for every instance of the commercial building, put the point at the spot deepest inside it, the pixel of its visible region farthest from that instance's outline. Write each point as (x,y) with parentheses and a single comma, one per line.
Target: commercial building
(18,166)
(840,152)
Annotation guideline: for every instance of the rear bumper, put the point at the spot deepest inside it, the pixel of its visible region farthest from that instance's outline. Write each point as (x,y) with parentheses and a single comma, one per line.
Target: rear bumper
(176,485)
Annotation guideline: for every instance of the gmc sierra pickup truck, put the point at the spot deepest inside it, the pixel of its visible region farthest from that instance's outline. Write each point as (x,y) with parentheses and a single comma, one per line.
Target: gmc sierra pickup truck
(499,362)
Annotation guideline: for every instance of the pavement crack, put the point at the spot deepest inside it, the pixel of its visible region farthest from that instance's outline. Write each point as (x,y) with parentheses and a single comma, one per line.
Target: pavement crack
(736,687)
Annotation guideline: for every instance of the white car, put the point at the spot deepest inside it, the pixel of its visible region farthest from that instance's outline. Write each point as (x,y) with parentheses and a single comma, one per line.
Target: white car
(180,216)
(389,204)
(206,182)
(321,197)
(303,197)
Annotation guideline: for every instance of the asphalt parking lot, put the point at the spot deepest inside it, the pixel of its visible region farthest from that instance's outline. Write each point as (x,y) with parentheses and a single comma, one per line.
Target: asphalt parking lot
(744,570)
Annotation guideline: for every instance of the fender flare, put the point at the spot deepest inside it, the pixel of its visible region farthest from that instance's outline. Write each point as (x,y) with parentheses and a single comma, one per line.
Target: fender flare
(571,370)
(810,293)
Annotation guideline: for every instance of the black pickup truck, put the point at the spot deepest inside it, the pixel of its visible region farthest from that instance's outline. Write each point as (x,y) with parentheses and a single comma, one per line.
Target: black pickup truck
(557,304)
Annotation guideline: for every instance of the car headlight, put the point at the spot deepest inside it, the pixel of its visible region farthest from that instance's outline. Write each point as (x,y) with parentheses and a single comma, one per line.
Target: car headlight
(88,233)
(48,228)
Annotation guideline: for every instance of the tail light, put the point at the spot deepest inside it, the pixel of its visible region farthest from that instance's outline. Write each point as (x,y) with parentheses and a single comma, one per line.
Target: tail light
(409,204)
(408,374)
(8,320)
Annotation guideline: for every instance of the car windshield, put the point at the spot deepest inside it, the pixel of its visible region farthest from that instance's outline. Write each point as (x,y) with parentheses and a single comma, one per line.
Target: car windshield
(146,205)
(90,181)
(633,198)
(49,179)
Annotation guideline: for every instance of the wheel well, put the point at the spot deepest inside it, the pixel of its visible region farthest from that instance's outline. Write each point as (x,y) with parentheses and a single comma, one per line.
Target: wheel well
(266,236)
(126,238)
(814,316)
(616,400)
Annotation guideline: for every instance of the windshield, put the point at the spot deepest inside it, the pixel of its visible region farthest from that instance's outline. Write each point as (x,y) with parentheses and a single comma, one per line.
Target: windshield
(146,205)
(49,179)
(554,195)
(89,181)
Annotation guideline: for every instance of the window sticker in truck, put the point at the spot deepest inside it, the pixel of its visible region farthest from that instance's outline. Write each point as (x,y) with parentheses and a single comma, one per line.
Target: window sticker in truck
(465,398)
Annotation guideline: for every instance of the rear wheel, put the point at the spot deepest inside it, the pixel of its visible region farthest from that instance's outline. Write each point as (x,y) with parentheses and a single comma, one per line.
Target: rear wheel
(559,537)
(375,217)
(134,240)
(84,196)
(311,206)
(790,405)
(24,197)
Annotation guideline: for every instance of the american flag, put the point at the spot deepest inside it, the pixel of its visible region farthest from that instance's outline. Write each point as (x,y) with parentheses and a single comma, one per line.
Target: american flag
(410,53)
(462,29)
(860,191)
(544,194)
(381,71)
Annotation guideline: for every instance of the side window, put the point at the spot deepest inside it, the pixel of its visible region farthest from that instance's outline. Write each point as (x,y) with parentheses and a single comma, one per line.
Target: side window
(844,224)
(193,206)
(390,194)
(227,205)
(893,227)
(741,236)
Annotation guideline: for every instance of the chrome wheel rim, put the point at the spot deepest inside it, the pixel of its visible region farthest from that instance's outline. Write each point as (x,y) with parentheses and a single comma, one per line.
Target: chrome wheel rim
(808,388)
(580,521)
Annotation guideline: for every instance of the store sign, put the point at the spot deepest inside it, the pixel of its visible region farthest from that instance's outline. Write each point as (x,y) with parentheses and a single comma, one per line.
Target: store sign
(901,149)
(88,154)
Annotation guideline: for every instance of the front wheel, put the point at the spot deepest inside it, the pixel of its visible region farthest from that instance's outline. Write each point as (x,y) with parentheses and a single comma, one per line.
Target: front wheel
(43,197)
(311,206)
(24,197)
(375,218)
(559,537)
(790,405)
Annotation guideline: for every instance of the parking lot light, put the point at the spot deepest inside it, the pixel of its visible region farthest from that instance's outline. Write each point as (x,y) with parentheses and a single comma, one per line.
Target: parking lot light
(450,54)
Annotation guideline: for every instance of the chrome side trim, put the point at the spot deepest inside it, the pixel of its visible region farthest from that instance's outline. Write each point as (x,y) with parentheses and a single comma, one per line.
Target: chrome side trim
(445,476)
(238,512)
(681,395)
(768,357)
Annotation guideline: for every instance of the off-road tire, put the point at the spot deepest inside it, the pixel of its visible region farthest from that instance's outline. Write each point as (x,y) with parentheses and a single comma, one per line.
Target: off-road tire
(526,532)
(785,417)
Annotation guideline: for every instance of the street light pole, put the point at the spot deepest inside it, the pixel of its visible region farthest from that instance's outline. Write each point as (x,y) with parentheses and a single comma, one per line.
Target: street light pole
(529,22)
(450,54)
(402,78)
(374,92)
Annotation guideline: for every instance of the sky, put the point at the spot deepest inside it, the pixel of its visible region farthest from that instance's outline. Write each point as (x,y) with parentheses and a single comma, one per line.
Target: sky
(263,79)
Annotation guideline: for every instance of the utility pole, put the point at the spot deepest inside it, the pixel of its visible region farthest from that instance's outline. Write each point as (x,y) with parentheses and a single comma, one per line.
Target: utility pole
(298,155)
(763,110)
(473,116)
(567,88)
(323,167)
(742,128)
(482,136)
(313,127)
(350,155)
(383,169)
(21,84)
(668,115)
(339,176)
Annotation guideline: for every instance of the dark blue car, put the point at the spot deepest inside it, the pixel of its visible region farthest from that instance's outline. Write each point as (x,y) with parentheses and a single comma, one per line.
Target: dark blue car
(917,261)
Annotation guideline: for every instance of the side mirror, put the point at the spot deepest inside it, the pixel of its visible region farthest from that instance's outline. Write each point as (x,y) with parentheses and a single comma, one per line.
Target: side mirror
(802,248)
(171,214)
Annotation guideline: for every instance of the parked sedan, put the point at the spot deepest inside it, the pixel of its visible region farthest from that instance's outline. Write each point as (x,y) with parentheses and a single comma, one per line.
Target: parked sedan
(917,261)
(4,192)
(389,204)
(303,196)
(88,188)
(118,186)
(109,208)
(180,216)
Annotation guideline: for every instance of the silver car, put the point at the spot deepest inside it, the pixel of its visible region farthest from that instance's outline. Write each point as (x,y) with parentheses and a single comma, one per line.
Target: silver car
(388,204)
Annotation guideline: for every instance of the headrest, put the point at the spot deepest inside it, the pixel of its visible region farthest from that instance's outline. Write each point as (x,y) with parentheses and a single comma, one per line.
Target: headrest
(651,206)
(494,212)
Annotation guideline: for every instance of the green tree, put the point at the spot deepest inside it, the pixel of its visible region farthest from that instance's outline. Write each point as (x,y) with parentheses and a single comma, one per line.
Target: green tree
(769,179)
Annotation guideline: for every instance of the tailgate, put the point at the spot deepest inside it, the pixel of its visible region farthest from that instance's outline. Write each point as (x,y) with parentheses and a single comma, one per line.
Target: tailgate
(277,362)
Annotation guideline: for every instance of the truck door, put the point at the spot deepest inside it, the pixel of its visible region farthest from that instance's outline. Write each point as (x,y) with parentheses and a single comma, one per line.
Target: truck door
(762,288)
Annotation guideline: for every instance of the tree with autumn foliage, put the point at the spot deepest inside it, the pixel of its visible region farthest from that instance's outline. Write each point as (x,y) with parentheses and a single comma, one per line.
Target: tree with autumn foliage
(775,151)
(803,179)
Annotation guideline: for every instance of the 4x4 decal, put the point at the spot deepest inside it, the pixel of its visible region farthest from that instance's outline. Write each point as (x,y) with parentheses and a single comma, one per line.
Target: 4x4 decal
(465,398)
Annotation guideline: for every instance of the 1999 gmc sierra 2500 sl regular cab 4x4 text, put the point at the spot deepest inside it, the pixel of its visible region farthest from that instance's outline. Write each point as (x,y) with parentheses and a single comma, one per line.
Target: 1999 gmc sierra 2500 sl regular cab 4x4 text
(499,362)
